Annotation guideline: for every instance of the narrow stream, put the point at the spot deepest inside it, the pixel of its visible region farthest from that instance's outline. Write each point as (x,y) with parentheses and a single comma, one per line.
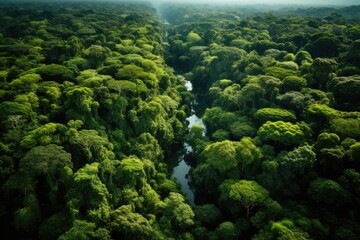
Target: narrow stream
(181,170)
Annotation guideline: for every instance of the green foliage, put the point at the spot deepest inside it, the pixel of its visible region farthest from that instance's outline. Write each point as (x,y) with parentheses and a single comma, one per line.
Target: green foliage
(85,230)
(247,154)
(346,127)
(326,191)
(147,147)
(77,63)
(322,69)
(321,114)
(196,138)
(289,57)
(273,114)
(282,132)
(287,65)
(96,55)
(294,101)
(124,85)
(324,47)
(193,38)
(128,224)
(279,72)
(87,192)
(285,229)
(206,177)
(248,194)
(55,72)
(345,90)
(327,140)
(226,230)
(242,127)
(351,179)
(296,163)
(26,218)
(8,109)
(354,151)
(207,214)
(47,160)
(54,226)
(132,173)
(220,135)
(216,118)
(294,83)
(221,155)
(80,102)
(95,147)
(26,83)
(178,212)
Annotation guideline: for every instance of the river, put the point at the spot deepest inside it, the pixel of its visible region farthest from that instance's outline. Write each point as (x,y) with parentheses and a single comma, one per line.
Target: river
(181,170)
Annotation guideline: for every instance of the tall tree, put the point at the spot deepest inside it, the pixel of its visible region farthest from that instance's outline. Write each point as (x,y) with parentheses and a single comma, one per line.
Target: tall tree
(248,194)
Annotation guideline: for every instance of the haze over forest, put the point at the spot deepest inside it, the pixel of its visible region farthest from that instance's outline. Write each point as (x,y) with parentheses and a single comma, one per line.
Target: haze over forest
(270,2)
(240,2)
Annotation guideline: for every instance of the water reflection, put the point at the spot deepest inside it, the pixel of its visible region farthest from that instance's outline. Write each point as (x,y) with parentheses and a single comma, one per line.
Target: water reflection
(181,171)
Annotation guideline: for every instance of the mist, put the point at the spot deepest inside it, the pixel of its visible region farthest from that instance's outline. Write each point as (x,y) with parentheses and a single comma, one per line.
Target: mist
(237,2)
(266,2)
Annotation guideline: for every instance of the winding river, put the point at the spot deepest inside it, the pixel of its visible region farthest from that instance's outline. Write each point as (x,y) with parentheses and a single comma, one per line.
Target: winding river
(181,170)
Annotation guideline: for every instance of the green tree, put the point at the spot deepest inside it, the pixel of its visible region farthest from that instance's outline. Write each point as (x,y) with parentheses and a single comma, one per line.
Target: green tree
(326,140)
(86,191)
(322,69)
(95,147)
(206,178)
(147,147)
(54,226)
(326,191)
(350,180)
(286,229)
(221,156)
(46,160)
(297,162)
(294,168)
(248,194)
(193,38)
(303,56)
(294,83)
(132,173)
(215,118)
(55,72)
(273,114)
(127,224)
(26,83)
(28,217)
(285,133)
(85,230)
(321,114)
(293,100)
(248,156)
(226,230)
(346,127)
(243,127)
(81,104)
(324,46)
(279,72)
(207,214)
(345,90)
(96,55)
(180,214)
(50,133)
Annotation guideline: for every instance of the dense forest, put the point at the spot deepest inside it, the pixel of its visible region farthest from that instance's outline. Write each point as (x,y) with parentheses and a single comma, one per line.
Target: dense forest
(94,104)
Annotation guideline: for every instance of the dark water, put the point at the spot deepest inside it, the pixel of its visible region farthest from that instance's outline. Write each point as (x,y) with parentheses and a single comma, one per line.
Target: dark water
(181,170)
